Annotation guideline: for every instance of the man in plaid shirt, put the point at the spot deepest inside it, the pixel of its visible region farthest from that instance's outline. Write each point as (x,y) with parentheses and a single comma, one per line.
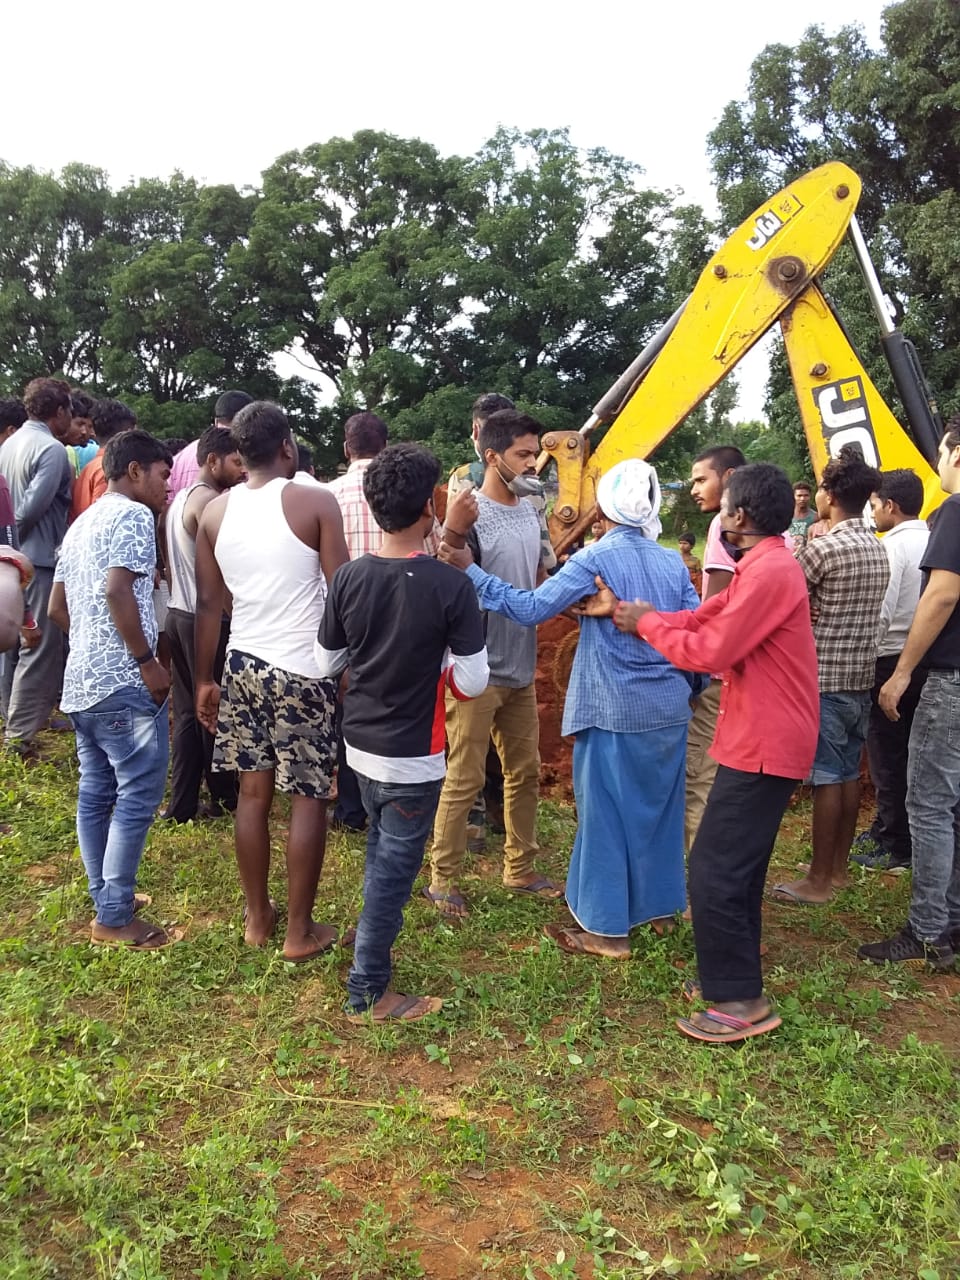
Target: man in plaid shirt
(847,572)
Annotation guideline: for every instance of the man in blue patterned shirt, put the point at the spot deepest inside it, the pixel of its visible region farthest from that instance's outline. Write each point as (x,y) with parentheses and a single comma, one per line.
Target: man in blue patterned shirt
(114,689)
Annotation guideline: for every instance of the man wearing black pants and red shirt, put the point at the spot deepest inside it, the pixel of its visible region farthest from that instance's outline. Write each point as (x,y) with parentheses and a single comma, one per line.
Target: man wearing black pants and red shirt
(409,629)
(757,632)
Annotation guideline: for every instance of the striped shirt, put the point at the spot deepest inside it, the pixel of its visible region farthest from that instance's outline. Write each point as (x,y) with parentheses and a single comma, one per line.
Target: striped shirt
(847,572)
(364,536)
(616,683)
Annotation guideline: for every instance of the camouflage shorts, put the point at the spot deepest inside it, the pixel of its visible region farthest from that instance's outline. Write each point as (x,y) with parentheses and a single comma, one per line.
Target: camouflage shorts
(273,719)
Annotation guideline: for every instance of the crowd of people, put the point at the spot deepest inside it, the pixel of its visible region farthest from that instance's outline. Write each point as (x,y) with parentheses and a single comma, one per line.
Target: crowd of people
(376,637)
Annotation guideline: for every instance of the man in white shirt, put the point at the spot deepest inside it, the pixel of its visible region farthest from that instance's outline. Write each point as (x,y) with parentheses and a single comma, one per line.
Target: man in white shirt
(885,846)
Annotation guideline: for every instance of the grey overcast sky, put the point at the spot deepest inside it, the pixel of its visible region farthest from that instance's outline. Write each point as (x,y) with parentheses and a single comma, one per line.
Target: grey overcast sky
(218,89)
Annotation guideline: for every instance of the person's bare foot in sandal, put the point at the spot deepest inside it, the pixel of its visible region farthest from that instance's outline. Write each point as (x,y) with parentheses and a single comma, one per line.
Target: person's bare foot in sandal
(318,939)
(575,941)
(731,1021)
(839,879)
(449,901)
(803,892)
(139,934)
(535,886)
(394,1006)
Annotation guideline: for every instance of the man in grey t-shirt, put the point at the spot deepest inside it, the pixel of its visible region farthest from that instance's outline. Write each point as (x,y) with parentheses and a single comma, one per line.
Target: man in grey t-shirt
(38,471)
(508,538)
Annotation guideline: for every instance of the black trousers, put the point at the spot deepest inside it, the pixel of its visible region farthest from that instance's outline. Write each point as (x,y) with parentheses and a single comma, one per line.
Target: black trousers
(887,753)
(728,867)
(192,748)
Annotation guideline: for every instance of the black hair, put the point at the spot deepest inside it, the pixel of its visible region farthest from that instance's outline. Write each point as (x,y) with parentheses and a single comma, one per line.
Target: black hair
(176,443)
(951,433)
(722,457)
(765,493)
(802,484)
(133,446)
(259,432)
(687,536)
(903,487)
(218,440)
(81,404)
(503,427)
(13,413)
(398,483)
(490,402)
(229,405)
(849,480)
(110,417)
(305,460)
(365,435)
(44,396)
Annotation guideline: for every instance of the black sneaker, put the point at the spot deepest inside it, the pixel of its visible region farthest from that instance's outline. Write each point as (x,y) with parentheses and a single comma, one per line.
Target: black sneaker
(865,842)
(906,948)
(880,860)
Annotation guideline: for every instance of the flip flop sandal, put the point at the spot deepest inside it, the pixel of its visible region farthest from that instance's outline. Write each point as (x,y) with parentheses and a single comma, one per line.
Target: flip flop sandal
(567,939)
(784,893)
(691,990)
(396,1014)
(535,889)
(447,900)
(570,939)
(311,955)
(152,940)
(736,1028)
(349,937)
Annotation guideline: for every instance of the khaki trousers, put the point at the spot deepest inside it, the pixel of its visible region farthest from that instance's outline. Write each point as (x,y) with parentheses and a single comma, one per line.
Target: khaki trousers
(510,717)
(701,766)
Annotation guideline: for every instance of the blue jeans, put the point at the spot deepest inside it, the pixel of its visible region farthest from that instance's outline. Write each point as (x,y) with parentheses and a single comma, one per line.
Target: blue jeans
(123,745)
(933,807)
(401,818)
(844,720)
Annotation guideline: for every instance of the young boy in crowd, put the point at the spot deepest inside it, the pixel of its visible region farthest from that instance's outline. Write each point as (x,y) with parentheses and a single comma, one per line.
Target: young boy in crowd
(686,542)
(409,629)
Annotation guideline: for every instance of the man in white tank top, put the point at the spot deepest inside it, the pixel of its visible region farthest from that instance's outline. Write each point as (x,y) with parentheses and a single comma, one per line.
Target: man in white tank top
(274,546)
(191,752)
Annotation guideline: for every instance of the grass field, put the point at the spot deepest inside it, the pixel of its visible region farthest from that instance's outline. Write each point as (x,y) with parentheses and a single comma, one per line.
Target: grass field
(205,1111)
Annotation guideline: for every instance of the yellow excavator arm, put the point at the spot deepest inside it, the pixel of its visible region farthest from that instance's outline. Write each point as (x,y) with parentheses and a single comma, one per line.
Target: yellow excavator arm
(765,272)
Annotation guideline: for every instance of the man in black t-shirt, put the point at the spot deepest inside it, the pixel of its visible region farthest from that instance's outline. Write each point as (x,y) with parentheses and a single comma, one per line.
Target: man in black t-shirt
(931,936)
(409,629)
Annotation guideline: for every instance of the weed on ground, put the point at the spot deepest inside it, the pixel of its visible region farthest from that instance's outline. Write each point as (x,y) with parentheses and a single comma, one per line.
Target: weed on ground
(206,1111)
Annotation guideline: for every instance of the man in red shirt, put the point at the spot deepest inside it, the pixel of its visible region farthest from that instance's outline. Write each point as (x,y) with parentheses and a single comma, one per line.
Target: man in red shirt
(757,632)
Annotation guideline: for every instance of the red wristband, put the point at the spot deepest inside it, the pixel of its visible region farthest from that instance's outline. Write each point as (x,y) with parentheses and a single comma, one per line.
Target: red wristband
(24,573)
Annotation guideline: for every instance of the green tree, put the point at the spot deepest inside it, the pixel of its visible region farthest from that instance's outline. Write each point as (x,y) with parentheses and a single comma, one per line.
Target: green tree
(178,324)
(893,114)
(53,259)
(354,258)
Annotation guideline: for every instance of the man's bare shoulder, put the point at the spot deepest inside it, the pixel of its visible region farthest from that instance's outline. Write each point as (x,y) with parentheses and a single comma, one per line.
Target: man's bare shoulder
(212,514)
(315,499)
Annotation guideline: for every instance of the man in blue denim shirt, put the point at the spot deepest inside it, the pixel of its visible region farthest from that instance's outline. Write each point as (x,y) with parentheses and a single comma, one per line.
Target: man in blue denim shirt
(114,688)
(931,936)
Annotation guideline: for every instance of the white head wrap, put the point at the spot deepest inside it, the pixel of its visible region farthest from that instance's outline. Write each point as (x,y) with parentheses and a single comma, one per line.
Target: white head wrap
(629,493)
